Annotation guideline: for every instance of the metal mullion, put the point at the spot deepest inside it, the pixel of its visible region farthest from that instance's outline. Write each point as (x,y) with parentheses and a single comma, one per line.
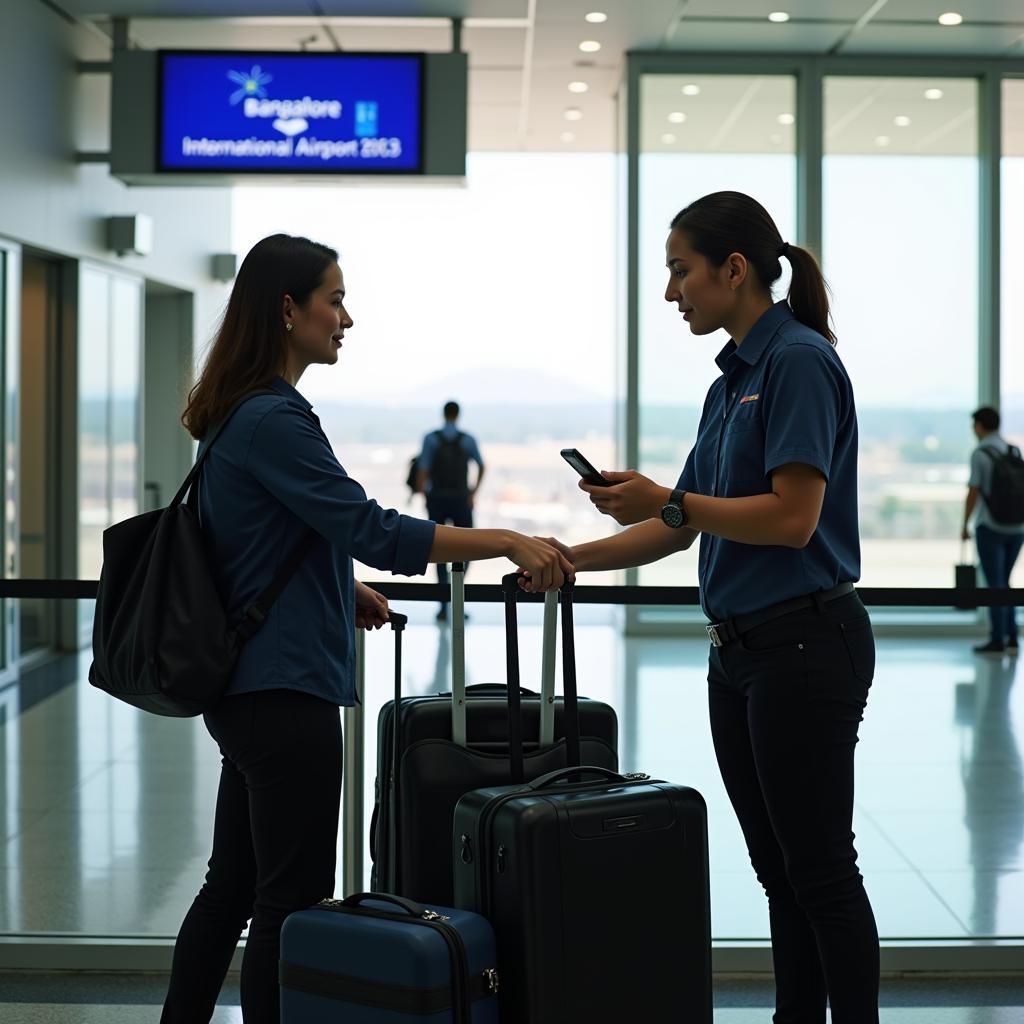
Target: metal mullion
(810,146)
(990,123)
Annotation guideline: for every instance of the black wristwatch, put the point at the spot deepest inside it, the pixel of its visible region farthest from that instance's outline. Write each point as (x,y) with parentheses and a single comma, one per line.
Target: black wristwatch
(673,513)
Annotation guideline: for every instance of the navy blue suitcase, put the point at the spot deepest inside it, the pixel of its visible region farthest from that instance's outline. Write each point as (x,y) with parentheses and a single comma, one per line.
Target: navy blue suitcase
(378,959)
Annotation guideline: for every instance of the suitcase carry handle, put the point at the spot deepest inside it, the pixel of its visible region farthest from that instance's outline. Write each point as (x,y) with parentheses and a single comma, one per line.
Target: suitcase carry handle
(572,774)
(359,898)
(510,588)
(497,690)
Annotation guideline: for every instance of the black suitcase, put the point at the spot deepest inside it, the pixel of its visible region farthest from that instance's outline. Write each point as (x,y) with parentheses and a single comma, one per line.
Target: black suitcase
(598,891)
(444,745)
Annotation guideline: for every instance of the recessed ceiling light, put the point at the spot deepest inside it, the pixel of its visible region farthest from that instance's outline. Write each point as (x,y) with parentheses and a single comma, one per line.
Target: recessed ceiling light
(691,90)
(882,140)
(668,138)
(590,46)
(952,18)
(901,120)
(573,114)
(933,94)
(677,117)
(786,119)
(597,17)
(578,87)
(567,137)
(779,17)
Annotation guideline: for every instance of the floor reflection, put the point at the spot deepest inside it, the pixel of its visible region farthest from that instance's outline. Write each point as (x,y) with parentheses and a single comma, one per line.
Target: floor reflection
(107,812)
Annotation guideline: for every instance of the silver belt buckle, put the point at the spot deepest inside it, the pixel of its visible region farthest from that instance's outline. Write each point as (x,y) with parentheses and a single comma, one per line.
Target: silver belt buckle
(716,640)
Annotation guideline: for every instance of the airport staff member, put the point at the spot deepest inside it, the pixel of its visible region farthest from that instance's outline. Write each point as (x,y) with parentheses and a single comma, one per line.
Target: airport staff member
(770,488)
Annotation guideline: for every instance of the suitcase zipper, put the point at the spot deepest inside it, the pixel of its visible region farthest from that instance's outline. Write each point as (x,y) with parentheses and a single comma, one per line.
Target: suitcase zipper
(461,1002)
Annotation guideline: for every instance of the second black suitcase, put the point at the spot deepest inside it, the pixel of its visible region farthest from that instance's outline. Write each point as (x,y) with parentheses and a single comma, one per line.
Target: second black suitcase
(598,888)
(444,745)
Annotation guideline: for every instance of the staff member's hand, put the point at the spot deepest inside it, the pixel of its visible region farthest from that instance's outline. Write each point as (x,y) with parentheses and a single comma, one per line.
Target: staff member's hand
(633,498)
(371,608)
(546,568)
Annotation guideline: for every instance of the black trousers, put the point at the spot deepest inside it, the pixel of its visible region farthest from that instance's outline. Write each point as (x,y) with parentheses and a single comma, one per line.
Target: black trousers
(274,848)
(452,510)
(786,700)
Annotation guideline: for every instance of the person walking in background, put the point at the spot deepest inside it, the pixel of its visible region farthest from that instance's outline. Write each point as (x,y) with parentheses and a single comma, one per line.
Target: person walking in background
(995,496)
(442,474)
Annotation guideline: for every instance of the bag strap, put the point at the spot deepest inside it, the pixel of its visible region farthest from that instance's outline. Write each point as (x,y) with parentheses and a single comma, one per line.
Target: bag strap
(257,612)
(193,473)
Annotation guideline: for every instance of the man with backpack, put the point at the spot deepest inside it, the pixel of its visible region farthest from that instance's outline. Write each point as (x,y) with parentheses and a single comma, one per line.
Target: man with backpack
(442,474)
(995,491)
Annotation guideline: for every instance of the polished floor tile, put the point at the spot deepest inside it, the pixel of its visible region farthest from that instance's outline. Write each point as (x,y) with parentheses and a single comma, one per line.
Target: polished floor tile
(107,812)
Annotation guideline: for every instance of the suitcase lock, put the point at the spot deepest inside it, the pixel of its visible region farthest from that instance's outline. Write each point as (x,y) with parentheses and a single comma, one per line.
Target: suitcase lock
(467,851)
(491,977)
(502,860)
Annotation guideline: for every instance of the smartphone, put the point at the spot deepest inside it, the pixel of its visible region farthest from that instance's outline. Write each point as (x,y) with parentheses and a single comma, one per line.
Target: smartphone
(584,468)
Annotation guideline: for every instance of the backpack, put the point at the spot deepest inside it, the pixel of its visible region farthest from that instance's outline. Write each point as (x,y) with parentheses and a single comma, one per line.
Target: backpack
(449,472)
(410,477)
(161,640)
(1005,500)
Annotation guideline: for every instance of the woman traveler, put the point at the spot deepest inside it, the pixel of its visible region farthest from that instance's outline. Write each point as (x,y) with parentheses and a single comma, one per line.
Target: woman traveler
(771,489)
(271,476)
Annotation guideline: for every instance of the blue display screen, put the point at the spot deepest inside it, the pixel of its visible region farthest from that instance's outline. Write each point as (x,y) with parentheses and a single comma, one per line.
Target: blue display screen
(306,113)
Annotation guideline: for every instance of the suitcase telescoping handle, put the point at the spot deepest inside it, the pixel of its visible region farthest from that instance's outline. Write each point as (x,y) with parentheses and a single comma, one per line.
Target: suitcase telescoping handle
(510,588)
(398,623)
(458,642)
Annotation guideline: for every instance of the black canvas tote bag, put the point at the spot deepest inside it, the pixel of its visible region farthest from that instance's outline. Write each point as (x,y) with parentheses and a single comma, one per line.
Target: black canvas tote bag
(161,638)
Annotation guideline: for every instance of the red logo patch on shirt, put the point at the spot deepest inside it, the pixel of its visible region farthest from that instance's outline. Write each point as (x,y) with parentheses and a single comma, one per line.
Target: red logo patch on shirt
(749,398)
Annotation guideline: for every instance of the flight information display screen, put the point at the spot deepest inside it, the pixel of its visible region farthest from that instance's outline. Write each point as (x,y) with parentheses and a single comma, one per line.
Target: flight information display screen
(307,113)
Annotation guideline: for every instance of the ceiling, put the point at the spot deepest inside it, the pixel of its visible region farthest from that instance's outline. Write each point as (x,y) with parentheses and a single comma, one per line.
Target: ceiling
(523,54)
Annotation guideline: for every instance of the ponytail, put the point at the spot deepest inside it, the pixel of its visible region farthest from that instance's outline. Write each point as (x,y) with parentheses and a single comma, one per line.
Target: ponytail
(728,222)
(808,292)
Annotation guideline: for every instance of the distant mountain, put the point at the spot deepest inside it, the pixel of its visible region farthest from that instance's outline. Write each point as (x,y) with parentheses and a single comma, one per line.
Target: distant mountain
(476,387)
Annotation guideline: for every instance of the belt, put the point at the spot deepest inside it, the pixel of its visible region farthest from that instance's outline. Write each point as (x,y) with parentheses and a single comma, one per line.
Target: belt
(722,633)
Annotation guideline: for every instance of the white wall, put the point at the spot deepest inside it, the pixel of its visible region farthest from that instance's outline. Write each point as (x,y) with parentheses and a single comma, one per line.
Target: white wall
(47,112)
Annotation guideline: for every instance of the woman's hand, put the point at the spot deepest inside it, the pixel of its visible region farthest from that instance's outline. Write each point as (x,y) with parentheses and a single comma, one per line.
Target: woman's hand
(371,607)
(632,499)
(546,566)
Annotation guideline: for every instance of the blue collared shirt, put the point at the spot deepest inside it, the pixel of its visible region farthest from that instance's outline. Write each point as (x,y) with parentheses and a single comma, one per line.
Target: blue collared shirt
(784,396)
(271,474)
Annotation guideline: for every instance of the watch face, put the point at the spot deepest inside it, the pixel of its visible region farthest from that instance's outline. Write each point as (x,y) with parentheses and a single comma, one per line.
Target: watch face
(672,515)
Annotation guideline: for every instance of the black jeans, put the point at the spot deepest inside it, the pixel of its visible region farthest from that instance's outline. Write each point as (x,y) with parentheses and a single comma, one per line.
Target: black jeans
(786,700)
(444,510)
(274,848)
(997,553)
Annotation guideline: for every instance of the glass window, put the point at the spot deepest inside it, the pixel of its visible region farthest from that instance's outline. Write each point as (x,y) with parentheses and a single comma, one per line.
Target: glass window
(1011,331)
(699,134)
(109,348)
(501,296)
(900,217)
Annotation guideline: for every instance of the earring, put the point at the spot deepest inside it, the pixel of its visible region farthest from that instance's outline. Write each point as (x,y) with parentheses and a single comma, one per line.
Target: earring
(288,327)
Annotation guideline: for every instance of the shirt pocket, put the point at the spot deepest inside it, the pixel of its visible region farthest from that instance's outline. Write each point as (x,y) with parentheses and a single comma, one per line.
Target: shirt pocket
(742,456)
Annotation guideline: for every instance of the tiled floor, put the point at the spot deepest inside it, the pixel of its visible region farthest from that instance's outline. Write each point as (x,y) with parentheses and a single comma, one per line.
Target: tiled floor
(107,812)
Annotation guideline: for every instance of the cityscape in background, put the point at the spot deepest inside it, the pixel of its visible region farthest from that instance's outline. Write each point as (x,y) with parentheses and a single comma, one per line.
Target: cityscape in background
(913,475)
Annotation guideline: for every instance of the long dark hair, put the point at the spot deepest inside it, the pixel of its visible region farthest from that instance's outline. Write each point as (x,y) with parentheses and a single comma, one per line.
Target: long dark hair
(250,348)
(728,222)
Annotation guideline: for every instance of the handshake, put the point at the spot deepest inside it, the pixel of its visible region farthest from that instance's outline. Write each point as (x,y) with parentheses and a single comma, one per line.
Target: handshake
(545,563)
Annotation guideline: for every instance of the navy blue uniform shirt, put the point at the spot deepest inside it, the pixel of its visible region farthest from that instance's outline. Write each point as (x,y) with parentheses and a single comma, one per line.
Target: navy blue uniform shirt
(784,396)
(271,474)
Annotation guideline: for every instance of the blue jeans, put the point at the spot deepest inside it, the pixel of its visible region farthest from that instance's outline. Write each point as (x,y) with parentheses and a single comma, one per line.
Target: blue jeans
(444,510)
(997,553)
